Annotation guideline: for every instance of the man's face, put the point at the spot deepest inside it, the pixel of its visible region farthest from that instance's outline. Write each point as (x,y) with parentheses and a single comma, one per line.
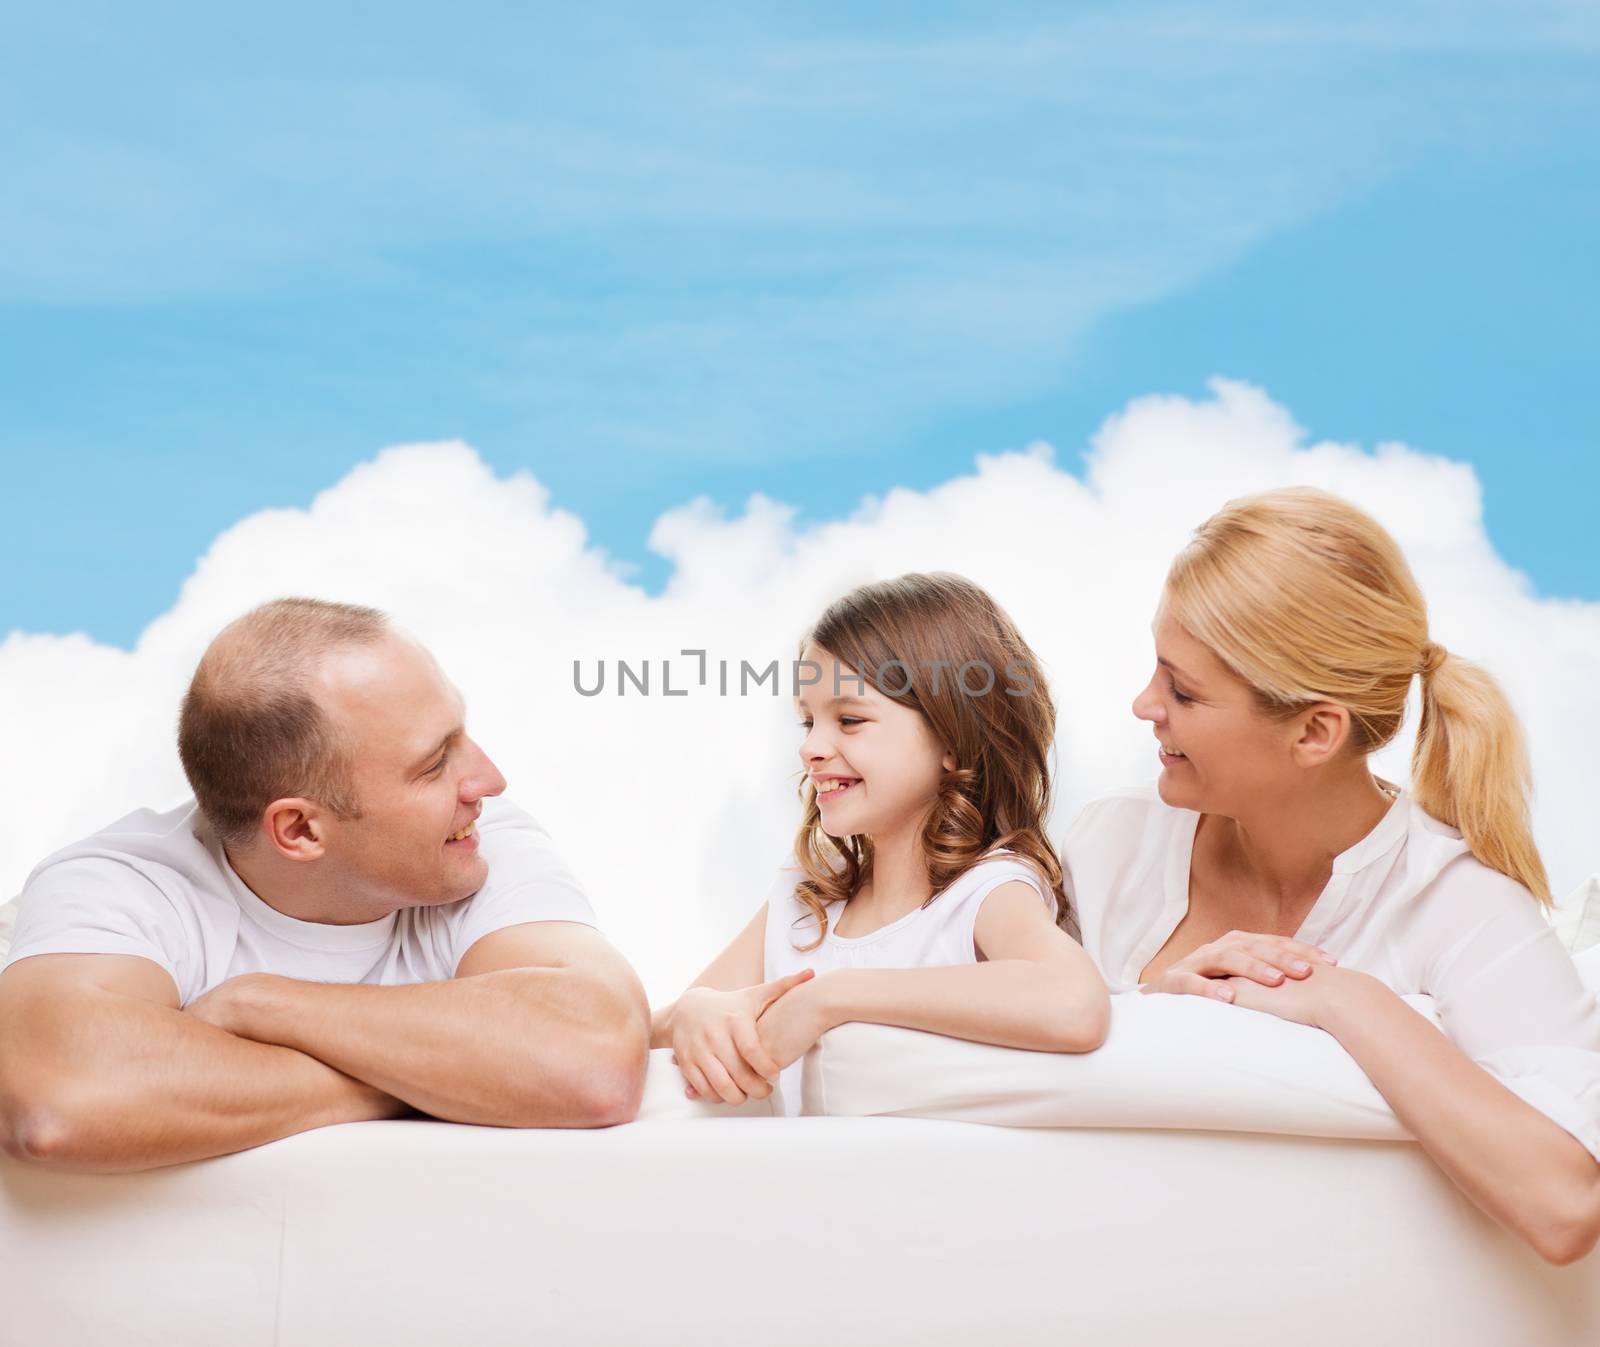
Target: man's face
(419,780)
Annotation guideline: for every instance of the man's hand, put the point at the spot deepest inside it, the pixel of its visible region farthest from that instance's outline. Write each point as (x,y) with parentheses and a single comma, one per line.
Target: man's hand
(231,1004)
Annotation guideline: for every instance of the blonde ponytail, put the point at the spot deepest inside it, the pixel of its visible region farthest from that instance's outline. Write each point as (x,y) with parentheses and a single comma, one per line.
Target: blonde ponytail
(1469,767)
(1309,599)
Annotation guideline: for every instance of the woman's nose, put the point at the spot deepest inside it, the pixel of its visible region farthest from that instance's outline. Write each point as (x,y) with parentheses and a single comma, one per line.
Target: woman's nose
(1147,706)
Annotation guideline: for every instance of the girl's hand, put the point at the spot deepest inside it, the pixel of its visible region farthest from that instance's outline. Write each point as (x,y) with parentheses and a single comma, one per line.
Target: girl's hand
(792,1024)
(715,1042)
(1239,955)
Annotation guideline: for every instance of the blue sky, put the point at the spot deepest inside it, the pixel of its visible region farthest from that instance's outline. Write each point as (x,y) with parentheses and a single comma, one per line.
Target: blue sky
(652,253)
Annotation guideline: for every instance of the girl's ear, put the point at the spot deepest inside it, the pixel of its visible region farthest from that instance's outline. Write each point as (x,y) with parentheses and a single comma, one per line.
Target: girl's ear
(948,762)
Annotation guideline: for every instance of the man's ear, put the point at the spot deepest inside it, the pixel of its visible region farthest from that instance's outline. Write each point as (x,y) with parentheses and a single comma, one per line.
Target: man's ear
(1324,731)
(294,828)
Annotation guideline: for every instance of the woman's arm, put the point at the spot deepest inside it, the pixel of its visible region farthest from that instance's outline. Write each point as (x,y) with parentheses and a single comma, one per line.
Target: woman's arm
(1035,988)
(1521,1168)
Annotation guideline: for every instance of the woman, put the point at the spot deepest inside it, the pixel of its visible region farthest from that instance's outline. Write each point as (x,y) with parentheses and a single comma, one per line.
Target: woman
(1271,869)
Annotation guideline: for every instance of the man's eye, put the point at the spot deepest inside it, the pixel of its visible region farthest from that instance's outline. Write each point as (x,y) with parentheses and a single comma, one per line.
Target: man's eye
(438,766)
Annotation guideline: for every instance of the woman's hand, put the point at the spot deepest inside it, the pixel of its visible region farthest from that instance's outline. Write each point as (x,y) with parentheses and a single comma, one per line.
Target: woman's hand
(1313,1000)
(715,1042)
(1247,955)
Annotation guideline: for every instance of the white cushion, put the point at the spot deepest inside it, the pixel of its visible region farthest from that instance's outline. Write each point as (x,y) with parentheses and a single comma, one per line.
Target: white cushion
(664,1099)
(1180,1062)
(1578,918)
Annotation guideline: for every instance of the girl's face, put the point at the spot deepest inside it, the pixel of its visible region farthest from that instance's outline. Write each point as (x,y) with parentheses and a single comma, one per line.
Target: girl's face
(1220,754)
(874,761)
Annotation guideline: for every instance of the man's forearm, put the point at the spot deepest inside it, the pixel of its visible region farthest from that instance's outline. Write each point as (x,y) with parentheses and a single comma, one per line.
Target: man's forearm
(163,1088)
(518,1047)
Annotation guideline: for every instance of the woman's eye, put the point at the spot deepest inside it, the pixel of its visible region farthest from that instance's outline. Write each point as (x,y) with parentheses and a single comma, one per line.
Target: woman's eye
(805,724)
(851,720)
(1182,698)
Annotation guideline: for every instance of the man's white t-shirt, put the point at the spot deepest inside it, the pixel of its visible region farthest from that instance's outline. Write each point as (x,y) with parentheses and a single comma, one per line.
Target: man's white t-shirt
(160,886)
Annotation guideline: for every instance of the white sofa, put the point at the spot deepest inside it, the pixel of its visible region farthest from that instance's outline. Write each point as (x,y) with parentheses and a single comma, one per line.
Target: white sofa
(1210,1176)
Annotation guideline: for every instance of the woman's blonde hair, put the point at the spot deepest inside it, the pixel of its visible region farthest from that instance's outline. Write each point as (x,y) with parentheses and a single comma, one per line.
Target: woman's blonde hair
(928,641)
(1308,599)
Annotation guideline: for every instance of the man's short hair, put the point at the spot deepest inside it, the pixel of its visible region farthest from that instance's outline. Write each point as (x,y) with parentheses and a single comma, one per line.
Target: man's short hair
(251,730)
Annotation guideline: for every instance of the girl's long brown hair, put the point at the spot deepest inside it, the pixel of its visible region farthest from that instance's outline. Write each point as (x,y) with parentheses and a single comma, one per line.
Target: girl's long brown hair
(921,639)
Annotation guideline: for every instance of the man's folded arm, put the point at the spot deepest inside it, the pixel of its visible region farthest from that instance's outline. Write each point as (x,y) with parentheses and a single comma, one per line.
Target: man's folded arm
(100,1071)
(544,1025)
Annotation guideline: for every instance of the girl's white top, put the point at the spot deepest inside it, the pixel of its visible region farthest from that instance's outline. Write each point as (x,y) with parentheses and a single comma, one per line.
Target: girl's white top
(1408,904)
(939,934)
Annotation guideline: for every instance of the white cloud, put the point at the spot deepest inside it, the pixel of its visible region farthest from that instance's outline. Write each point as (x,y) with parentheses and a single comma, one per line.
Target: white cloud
(675,810)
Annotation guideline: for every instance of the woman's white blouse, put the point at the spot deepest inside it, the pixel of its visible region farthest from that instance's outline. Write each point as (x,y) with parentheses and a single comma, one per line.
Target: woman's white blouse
(1407,904)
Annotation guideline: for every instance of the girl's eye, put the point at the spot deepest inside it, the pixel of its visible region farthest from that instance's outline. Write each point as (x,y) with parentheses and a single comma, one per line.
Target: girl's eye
(851,720)
(1183,699)
(805,724)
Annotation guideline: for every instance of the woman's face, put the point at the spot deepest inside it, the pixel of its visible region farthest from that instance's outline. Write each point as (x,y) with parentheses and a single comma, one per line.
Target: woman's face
(874,761)
(1220,754)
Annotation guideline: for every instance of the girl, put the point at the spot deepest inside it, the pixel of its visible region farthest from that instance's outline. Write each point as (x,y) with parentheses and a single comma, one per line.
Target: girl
(1270,868)
(923,891)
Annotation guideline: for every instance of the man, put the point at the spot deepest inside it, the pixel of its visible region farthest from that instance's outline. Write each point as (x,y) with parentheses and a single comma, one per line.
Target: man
(345,924)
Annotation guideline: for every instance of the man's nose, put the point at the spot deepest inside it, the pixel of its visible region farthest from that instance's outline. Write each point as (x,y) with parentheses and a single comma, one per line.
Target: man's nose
(484,779)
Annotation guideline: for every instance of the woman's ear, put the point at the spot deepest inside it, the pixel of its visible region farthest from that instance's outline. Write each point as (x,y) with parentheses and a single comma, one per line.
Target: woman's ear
(948,762)
(1324,732)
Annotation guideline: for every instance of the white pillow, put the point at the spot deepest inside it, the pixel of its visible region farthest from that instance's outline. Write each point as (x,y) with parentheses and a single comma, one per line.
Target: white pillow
(1588,961)
(1578,918)
(664,1097)
(1169,1062)
(8,923)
